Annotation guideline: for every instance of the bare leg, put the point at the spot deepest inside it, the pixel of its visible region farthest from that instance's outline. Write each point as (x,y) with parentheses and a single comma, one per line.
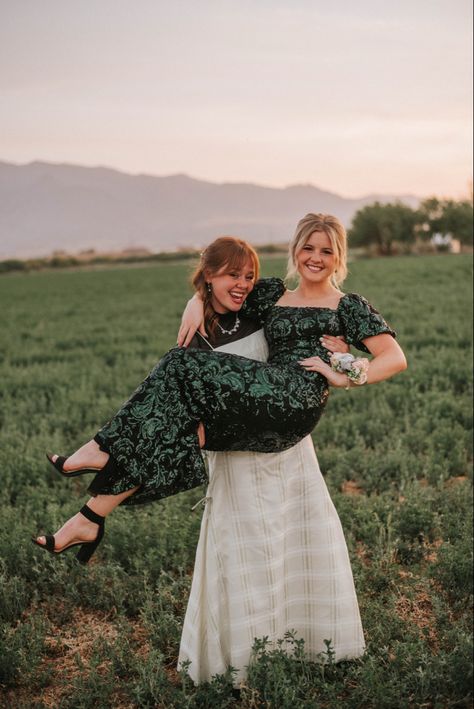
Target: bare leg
(80,529)
(91,456)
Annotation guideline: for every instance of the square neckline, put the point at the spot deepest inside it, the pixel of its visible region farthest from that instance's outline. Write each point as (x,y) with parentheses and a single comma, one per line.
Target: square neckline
(312,307)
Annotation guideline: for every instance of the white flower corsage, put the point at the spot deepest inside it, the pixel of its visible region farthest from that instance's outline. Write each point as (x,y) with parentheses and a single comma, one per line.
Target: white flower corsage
(355,369)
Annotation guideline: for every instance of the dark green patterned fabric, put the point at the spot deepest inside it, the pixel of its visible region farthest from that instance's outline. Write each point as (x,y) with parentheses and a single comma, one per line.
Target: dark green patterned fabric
(244,404)
(359,320)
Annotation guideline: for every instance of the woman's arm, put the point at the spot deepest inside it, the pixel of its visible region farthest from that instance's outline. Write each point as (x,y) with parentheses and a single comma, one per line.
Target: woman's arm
(388,360)
(264,293)
(191,321)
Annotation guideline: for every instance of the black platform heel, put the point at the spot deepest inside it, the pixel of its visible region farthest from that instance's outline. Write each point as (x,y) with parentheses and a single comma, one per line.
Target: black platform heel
(87,548)
(59,465)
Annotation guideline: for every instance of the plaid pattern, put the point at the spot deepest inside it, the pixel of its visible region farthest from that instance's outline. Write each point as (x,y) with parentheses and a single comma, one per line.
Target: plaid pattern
(271,557)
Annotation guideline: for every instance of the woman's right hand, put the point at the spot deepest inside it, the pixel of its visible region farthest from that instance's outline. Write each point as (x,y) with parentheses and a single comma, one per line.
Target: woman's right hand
(192,320)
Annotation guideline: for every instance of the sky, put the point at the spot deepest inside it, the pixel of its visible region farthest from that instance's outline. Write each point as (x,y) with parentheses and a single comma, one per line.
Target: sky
(353,97)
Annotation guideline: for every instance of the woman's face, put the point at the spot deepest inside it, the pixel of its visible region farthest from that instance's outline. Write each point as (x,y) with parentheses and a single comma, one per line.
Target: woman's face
(316,262)
(230,289)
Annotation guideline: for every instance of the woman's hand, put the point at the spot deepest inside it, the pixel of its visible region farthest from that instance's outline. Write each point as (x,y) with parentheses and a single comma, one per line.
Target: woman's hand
(334,344)
(201,432)
(316,364)
(388,359)
(192,320)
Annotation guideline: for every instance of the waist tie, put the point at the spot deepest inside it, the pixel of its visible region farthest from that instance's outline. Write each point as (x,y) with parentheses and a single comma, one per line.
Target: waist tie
(203,501)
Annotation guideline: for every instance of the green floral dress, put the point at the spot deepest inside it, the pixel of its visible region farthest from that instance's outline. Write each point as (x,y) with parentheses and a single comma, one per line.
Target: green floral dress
(244,404)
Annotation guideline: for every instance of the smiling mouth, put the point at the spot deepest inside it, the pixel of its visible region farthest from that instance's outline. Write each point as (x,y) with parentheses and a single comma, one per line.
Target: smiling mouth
(314,269)
(237,296)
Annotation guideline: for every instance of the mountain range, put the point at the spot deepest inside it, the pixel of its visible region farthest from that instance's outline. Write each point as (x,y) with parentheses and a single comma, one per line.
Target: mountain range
(48,207)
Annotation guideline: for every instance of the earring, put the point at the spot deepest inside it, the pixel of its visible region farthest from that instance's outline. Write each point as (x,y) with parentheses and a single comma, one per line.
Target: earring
(209,287)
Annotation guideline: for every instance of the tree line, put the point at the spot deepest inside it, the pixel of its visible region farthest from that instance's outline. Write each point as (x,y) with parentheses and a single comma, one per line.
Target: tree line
(389,228)
(383,228)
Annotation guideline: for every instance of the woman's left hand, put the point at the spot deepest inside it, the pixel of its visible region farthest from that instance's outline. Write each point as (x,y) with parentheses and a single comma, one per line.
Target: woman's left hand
(316,364)
(334,343)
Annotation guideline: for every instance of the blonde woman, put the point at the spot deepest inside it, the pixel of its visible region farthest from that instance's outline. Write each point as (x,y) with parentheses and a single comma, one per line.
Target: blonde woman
(271,555)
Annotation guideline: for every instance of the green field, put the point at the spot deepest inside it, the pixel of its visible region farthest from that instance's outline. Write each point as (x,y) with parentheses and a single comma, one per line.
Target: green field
(396,457)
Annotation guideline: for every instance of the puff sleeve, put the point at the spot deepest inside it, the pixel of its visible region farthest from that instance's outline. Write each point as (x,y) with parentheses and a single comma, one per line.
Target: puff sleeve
(360,320)
(265,293)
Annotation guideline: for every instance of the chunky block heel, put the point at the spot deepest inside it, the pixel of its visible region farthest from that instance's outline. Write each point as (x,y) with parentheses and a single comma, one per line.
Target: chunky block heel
(87,548)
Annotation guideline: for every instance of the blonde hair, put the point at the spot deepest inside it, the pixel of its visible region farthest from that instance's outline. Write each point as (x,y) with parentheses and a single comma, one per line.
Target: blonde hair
(334,230)
(226,252)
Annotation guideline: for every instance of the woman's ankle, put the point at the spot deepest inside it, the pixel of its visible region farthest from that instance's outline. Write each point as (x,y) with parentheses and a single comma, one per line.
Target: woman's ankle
(105,504)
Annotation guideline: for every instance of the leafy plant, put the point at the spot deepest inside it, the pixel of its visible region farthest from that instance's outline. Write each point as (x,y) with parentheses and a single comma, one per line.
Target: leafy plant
(396,458)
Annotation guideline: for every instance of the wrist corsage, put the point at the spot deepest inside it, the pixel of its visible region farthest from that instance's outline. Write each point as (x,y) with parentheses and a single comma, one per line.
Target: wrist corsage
(355,369)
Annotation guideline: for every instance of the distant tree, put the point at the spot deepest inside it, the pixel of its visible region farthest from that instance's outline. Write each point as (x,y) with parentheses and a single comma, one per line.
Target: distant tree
(12,265)
(447,216)
(383,225)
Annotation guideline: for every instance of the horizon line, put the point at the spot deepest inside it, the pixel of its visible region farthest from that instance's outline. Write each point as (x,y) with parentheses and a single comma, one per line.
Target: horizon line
(217,183)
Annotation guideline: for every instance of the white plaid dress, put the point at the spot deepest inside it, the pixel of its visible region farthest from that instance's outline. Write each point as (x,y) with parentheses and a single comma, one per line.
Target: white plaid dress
(271,557)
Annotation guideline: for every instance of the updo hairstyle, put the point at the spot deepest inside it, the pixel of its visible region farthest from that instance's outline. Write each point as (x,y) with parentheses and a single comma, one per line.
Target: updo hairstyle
(334,229)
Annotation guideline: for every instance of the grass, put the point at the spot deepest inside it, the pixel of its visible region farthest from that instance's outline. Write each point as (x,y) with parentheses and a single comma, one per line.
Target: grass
(396,458)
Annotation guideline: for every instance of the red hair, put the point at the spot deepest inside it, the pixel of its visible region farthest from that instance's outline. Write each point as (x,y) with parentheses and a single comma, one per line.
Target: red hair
(225,254)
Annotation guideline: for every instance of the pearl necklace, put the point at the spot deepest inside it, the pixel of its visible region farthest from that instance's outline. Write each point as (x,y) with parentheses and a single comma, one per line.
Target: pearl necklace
(232,330)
